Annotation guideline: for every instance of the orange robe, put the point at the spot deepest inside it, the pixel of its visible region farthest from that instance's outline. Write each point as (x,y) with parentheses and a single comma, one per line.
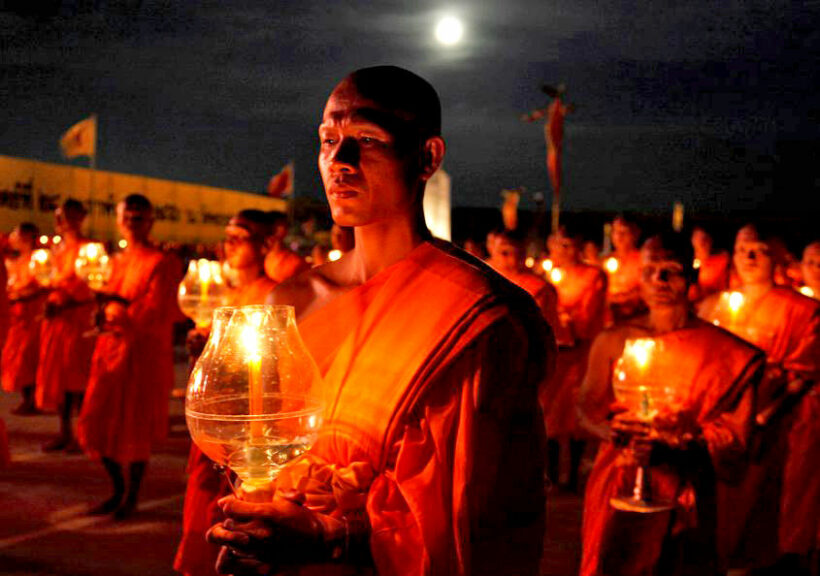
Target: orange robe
(713,276)
(22,347)
(65,353)
(432,428)
(5,312)
(282,264)
(715,375)
(786,326)
(541,291)
(623,289)
(205,484)
(581,308)
(126,408)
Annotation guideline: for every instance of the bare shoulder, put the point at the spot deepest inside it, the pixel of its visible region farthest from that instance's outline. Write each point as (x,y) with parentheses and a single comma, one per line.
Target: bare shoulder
(307,291)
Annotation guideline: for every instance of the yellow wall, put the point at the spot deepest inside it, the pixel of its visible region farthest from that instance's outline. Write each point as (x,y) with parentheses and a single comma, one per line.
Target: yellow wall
(31,190)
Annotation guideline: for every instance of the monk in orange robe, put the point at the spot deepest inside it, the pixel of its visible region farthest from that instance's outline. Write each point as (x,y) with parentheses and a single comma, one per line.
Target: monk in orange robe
(701,436)
(19,368)
(245,244)
(712,268)
(810,270)
(65,349)
(430,459)
(623,269)
(786,326)
(281,262)
(132,373)
(581,311)
(506,251)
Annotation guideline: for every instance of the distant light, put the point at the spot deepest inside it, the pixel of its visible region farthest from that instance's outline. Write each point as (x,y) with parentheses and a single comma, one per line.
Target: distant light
(529,262)
(123,244)
(696,264)
(43,239)
(449,30)
(806,291)
(56,239)
(611,265)
(334,255)
(556,275)
(547,265)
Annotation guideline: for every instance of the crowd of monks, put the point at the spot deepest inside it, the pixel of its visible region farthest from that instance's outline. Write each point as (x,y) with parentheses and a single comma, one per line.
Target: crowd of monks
(462,386)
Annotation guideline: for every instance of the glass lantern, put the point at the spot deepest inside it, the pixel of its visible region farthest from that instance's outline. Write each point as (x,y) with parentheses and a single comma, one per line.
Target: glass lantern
(41,266)
(639,386)
(253,402)
(201,291)
(93,265)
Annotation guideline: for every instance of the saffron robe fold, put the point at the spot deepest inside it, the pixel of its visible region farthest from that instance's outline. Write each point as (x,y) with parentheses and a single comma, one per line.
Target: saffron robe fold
(715,375)
(126,407)
(582,310)
(432,431)
(22,347)
(195,556)
(786,326)
(65,353)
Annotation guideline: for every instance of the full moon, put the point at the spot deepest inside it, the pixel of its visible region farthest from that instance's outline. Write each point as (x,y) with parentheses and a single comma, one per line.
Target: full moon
(449,30)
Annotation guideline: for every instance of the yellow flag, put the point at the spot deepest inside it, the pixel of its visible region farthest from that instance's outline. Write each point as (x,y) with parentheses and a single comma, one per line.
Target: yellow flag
(80,139)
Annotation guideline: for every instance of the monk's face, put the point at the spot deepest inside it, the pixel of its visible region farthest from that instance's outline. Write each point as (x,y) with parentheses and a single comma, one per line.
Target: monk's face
(67,222)
(663,280)
(244,248)
(369,170)
(563,250)
(623,236)
(811,264)
(505,256)
(752,258)
(701,242)
(134,223)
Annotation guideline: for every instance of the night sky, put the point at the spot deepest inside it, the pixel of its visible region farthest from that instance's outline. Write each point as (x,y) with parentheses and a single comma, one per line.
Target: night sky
(711,103)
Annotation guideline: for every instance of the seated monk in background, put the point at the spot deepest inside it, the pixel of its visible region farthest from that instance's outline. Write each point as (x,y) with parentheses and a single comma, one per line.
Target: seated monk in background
(703,437)
(246,244)
(281,262)
(431,455)
(623,269)
(506,249)
(810,268)
(26,297)
(782,481)
(712,268)
(581,313)
(132,371)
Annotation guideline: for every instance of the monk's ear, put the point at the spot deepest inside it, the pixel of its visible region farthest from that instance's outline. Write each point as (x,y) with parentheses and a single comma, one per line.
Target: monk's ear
(432,156)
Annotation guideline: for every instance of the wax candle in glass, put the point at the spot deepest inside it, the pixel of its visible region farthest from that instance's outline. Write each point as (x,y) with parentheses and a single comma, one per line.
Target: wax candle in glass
(253,401)
(41,266)
(92,265)
(201,291)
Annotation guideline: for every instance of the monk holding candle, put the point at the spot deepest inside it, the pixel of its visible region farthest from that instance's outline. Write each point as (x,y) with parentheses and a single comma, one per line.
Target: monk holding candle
(281,262)
(581,311)
(430,459)
(712,267)
(26,298)
(623,268)
(132,372)
(246,243)
(506,249)
(65,350)
(782,480)
(701,437)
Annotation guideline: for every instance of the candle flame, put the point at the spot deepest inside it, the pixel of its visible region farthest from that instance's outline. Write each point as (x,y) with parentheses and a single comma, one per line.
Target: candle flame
(334,255)
(123,244)
(806,291)
(40,256)
(56,239)
(529,262)
(43,239)
(556,275)
(204,269)
(612,264)
(696,263)
(547,265)
(640,350)
(92,251)
(735,301)
(250,341)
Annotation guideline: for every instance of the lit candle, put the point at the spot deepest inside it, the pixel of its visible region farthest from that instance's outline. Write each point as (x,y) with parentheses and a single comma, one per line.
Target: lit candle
(250,341)
(611,264)
(735,304)
(696,263)
(806,291)
(556,275)
(529,262)
(546,265)
(639,352)
(204,270)
(334,255)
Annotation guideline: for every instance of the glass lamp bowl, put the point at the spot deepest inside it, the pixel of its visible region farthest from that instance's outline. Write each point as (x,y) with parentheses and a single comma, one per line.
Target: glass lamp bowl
(201,291)
(93,265)
(41,266)
(253,400)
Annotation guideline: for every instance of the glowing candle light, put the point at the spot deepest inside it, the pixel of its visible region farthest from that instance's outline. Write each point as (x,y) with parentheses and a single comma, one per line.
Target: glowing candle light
(736,300)
(529,262)
(44,239)
(123,244)
(56,239)
(250,341)
(611,264)
(204,270)
(806,291)
(334,255)
(696,263)
(556,275)
(546,265)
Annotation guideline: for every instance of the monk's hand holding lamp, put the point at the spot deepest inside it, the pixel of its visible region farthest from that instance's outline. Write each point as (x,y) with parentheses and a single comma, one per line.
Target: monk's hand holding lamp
(253,403)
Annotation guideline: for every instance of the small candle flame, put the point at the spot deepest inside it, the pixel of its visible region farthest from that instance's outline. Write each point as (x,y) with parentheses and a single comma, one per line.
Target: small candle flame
(547,265)
(696,263)
(529,262)
(735,301)
(556,275)
(40,256)
(334,255)
(806,291)
(612,264)
(204,269)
